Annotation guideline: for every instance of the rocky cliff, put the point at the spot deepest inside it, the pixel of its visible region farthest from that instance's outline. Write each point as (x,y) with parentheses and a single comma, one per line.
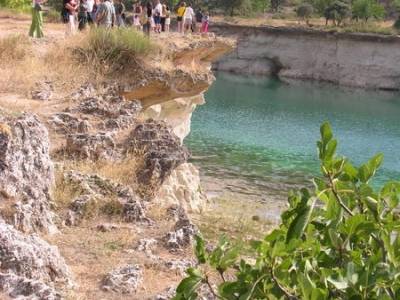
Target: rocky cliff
(357,60)
(106,161)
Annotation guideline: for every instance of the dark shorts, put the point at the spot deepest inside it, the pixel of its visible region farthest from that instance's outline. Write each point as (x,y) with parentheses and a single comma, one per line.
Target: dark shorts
(157,19)
(179,19)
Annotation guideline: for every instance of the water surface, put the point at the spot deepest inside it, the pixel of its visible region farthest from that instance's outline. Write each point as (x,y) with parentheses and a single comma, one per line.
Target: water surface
(258,135)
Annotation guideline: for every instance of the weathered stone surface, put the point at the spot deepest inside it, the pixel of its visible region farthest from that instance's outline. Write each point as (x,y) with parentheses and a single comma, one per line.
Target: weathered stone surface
(183,188)
(179,265)
(147,246)
(26,289)
(124,280)
(317,55)
(182,235)
(26,174)
(94,188)
(28,264)
(168,294)
(95,146)
(84,91)
(67,123)
(43,91)
(162,153)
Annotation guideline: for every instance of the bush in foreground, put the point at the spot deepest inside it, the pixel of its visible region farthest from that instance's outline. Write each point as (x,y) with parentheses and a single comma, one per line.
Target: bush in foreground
(115,49)
(339,241)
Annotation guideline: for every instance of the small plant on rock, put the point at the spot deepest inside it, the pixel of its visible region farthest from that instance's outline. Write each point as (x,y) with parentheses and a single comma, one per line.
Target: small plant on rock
(340,240)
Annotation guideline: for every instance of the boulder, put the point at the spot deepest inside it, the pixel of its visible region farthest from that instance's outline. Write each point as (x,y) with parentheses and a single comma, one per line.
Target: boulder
(29,265)
(26,174)
(124,280)
(161,150)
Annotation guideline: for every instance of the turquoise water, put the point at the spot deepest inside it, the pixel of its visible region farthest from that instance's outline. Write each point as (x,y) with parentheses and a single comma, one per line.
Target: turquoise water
(263,132)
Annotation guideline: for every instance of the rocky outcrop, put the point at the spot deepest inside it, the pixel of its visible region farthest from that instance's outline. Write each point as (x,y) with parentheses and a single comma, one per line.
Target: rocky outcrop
(98,194)
(26,174)
(124,280)
(29,266)
(161,152)
(358,60)
(182,188)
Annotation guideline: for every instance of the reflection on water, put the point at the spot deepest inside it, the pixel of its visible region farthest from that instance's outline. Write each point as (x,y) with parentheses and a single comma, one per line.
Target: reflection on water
(258,135)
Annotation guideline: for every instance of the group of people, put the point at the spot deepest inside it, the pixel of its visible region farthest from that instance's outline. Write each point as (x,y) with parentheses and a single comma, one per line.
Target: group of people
(150,16)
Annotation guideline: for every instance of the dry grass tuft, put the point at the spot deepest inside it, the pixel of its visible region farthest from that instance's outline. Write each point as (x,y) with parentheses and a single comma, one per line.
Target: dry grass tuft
(13,48)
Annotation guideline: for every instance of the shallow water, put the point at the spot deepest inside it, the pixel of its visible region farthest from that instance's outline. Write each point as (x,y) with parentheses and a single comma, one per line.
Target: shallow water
(257,136)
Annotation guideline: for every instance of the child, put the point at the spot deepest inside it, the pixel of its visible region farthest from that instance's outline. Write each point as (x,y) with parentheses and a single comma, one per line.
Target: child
(205,22)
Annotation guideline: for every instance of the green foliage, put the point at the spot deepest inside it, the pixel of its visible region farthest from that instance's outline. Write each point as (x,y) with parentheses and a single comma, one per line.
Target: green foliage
(366,9)
(337,12)
(321,5)
(304,11)
(16,4)
(340,240)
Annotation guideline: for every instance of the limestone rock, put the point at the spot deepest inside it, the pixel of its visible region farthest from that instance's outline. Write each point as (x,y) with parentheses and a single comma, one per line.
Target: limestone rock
(95,146)
(147,246)
(84,91)
(106,227)
(179,265)
(124,280)
(183,188)
(27,289)
(168,294)
(182,235)
(98,189)
(162,153)
(67,123)
(44,91)
(26,174)
(28,264)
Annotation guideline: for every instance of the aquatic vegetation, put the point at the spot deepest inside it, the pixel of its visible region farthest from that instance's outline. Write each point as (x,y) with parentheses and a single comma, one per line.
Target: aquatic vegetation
(340,240)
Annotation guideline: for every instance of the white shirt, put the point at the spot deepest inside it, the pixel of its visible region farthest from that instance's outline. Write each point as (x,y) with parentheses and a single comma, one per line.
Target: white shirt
(89,4)
(189,13)
(159,9)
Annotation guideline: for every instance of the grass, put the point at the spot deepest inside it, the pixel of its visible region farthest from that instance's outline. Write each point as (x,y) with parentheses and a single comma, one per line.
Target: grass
(114,49)
(13,48)
(233,217)
(368,27)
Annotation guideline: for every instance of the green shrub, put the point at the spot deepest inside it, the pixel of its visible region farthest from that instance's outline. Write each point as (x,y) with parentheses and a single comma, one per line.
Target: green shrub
(321,5)
(396,24)
(339,241)
(305,11)
(366,9)
(337,12)
(117,48)
(52,16)
(23,5)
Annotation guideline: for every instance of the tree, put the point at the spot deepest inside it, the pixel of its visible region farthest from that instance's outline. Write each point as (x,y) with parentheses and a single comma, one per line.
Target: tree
(366,9)
(305,11)
(337,12)
(340,240)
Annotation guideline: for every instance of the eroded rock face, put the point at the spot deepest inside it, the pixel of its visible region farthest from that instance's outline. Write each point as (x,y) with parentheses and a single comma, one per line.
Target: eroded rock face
(162,153)
(96,191)
(183,188)
(96,146)
(182,235)
(26,174)
(29,265)
(124,280)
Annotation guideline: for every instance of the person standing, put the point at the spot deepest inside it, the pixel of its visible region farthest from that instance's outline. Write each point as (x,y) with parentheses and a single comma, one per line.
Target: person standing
(119,12)
(188,18)
(137,16)
(82,15)
(163,16)
(105,16)
(157,16)
(205,23)
(199,20)
(69,16)
(180,13)
(36,30)
(167,18)
(89,8)
(148,17)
